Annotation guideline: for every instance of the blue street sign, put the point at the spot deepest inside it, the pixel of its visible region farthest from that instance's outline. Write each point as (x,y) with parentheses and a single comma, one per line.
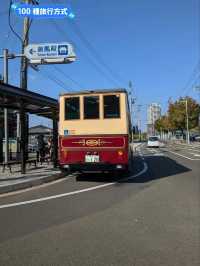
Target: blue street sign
(42,11)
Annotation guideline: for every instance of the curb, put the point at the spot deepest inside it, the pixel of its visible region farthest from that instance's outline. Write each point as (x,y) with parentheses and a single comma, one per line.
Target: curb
(30,183)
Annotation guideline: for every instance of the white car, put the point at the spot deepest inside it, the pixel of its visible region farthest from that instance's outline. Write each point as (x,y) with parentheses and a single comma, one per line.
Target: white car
(153,142)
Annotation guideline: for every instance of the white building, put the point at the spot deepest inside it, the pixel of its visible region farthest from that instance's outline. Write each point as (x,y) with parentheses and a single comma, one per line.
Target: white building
(153,114)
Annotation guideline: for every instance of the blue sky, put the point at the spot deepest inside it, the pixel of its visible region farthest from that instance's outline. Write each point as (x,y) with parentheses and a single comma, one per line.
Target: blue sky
(155,44)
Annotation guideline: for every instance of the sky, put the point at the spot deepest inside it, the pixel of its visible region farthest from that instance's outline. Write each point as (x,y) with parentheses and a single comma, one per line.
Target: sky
(154,44)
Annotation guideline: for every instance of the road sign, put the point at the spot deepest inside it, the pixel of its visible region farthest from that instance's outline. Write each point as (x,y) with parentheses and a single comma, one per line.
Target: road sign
(50,53)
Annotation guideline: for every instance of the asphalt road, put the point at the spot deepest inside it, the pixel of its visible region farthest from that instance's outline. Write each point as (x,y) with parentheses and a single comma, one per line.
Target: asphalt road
(149,218)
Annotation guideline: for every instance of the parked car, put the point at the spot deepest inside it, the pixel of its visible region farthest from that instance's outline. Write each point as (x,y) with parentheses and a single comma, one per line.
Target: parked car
(197,138)
(153,142)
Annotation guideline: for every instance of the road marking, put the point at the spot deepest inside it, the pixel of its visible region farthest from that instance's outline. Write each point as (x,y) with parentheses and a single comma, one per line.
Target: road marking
(36,187)
(195,154)
(183,156)
(145,168)
(186,148)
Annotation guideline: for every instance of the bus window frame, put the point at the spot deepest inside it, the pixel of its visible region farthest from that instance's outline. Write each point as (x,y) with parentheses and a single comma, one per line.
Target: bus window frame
(99,98)
(76,119)
(120,115)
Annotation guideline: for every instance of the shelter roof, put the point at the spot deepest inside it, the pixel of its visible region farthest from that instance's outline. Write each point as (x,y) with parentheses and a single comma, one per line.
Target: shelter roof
(34,103)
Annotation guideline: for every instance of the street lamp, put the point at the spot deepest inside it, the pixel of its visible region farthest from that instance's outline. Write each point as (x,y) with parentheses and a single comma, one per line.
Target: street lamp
(197,89)
(187,121)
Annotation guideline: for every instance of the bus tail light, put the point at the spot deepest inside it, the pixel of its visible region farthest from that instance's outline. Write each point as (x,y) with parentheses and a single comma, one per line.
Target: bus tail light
(120,153)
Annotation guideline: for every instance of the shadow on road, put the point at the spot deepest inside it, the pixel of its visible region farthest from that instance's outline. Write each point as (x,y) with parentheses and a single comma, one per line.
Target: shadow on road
(158,167)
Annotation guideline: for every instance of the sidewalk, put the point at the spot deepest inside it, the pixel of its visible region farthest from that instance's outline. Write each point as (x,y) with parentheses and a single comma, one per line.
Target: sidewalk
(35,176)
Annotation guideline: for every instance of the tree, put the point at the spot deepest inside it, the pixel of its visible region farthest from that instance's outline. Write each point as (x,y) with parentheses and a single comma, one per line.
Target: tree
(177,113)
(162,124)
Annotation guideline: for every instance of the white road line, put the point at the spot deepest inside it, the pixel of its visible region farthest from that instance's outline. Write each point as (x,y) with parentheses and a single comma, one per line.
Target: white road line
(185,148)
(189,149)
(195,154)
(145,168)
(36,187)
(183,156)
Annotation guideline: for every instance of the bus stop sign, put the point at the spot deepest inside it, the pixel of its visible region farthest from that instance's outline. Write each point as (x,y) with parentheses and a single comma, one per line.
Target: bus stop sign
(50,53)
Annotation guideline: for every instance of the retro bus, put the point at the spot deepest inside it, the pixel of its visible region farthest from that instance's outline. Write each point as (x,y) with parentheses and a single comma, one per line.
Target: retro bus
(94,131)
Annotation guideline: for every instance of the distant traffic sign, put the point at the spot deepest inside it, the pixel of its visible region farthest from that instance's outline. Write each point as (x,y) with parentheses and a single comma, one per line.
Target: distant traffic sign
(50,53)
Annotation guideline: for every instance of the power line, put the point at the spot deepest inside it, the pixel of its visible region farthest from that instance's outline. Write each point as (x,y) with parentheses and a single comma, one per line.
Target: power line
(195,82)
(10,25)
(191,79)
(91,48)
(94,64)
(51,77)
(71,79)
(115,76)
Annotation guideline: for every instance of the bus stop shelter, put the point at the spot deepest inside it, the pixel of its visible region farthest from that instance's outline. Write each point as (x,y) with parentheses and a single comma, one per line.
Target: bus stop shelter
(28,102)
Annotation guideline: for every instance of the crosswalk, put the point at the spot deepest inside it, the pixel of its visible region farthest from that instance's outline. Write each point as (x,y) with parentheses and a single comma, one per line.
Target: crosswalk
(149,152)
(188,152)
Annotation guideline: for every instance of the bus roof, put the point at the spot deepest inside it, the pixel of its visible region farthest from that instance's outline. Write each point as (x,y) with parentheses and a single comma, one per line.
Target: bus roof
(94,92)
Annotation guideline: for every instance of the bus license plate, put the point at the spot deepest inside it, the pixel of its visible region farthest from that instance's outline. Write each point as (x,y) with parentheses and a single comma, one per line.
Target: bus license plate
(91,158)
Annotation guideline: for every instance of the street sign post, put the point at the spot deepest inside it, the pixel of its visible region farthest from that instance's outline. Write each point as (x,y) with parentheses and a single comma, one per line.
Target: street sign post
(50,53)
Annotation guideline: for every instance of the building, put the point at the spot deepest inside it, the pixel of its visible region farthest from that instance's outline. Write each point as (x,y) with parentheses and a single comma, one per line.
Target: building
(153,114)
(35,131)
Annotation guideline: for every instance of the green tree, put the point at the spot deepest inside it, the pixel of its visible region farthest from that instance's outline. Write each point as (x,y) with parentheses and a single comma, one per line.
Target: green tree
(177,113)
(162,124)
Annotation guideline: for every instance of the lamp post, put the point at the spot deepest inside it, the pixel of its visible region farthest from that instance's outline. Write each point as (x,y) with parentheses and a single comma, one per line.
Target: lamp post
(197,89)
(187,121)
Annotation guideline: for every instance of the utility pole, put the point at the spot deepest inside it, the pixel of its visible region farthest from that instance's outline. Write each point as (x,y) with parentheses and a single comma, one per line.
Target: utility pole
(187,121)
(131,108)
(24,61)
(139,120)
(23,119)
(5,80)
(197,89)
(130,94)
(132,101)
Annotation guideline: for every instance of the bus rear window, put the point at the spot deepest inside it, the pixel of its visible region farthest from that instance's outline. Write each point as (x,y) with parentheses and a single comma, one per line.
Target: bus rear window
(72,108)
(91,107)
(111,106)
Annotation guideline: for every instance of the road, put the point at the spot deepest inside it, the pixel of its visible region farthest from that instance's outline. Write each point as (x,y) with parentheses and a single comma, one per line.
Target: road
(149,218)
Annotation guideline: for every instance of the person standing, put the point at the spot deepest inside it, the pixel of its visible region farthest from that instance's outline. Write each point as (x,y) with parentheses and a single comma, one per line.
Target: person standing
(41,148)
(49,145)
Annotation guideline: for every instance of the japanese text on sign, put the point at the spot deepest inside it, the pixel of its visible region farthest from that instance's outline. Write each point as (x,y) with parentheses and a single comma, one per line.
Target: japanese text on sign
(58,11)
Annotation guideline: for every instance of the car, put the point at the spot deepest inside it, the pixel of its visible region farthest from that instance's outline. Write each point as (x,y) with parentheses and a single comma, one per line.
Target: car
(153,142)
(197,138)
